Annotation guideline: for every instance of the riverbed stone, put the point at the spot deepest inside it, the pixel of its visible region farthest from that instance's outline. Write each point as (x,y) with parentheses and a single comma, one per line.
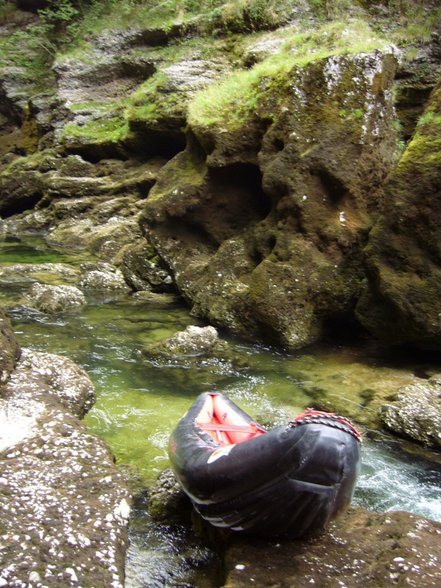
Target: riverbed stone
(167,501)
(64,506)
(194,341)
(361,549)
(55,299)
(102,276)
(416,412)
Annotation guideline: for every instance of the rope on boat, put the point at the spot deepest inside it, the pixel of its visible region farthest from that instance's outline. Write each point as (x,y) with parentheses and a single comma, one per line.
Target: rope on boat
(310,415)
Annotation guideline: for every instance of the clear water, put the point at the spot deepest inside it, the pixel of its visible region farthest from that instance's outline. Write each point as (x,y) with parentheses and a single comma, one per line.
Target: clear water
(139,401)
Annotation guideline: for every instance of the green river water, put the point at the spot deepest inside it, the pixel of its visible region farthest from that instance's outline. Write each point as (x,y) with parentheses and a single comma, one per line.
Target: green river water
(140,400)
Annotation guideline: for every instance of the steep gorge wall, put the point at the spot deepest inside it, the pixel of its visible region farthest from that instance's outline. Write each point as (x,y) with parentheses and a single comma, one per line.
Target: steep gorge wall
(260,200)
(265,237)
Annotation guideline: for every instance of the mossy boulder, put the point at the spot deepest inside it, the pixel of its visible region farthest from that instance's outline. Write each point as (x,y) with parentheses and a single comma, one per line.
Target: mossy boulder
(263,217)
(401,302)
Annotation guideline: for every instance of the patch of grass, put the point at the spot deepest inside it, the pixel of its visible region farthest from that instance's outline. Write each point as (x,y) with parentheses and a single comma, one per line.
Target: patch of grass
(414,22)
(235,97)
(204,15)
(429,119)
(106,130)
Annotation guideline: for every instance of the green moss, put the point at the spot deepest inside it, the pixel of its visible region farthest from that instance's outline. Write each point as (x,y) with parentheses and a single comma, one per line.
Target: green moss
(151,102)
(236,97)
(429,119)
(108,130)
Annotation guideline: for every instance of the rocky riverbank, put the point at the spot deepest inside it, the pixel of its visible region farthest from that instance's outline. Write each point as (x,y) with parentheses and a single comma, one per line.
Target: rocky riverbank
(64,506)
(279,169)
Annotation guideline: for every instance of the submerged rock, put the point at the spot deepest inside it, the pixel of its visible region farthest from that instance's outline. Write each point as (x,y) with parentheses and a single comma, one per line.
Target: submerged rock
(64,506)
(416,412)
(55,299)
(29,273)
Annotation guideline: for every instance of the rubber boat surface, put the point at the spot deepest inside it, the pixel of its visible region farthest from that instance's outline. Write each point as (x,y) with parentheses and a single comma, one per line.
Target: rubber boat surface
(290,480)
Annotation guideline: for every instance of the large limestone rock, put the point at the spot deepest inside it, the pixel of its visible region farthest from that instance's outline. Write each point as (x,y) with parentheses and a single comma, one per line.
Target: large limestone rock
(63,504)
(262,219)
(402,300)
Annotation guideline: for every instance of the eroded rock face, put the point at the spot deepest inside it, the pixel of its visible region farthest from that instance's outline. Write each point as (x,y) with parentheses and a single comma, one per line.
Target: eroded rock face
(263,224)
(402,300)
(64,506)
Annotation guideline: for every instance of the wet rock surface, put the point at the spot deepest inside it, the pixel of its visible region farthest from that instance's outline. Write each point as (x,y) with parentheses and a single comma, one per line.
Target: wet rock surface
(102,276)
(360,549)
(416,412)
(194,340)
(55,299)
(167,501)
(64,506)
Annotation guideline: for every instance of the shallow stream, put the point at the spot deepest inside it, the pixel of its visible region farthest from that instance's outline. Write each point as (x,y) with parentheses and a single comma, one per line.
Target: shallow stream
(140,400)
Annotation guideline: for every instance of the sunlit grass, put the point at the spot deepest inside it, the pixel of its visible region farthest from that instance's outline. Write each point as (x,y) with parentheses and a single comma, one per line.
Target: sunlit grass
(236,96)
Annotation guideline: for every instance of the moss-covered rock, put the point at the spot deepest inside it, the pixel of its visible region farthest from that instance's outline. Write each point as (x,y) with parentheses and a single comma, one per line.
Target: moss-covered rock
(401,301)
(263,217)
(55,299)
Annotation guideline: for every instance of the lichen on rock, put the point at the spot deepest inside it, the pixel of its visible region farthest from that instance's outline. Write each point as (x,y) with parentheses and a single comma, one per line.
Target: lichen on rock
(55,299)
(416,412)
(64,506)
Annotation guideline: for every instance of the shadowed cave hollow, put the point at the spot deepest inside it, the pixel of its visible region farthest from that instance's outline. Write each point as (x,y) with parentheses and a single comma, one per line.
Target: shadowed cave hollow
(236,199)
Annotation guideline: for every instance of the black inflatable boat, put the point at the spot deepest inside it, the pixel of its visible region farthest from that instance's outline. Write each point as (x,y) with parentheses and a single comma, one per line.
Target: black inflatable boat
(290,480)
